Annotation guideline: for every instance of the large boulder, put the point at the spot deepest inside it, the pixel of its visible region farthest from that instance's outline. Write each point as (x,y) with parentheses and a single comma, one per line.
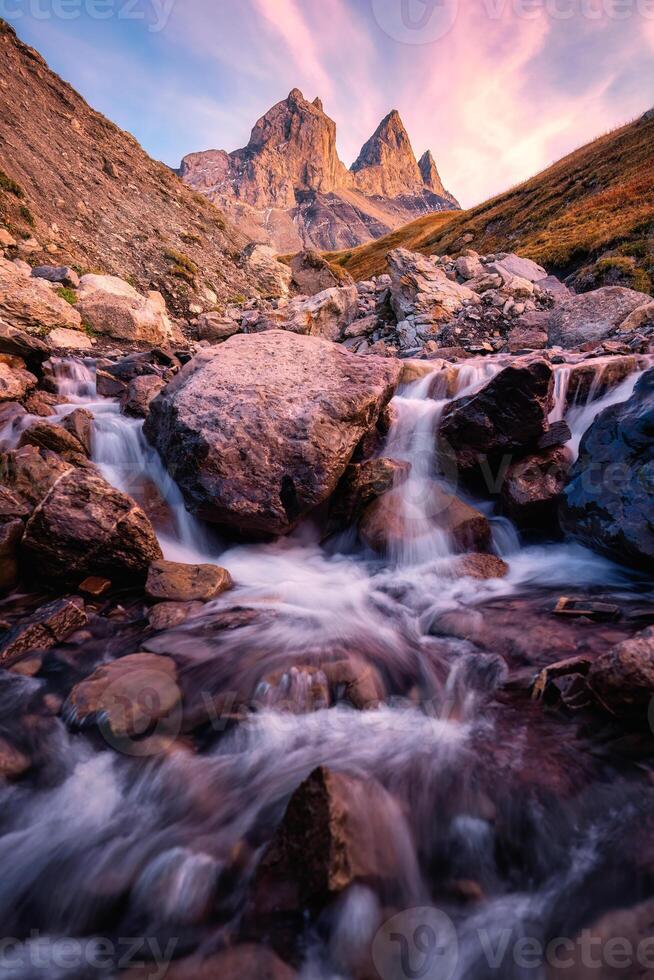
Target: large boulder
(33,304)
(507,417)
(79,525)
(17,343)
(111,306)
(258,432)
(591,317)
(313,274)
(516,266)
(140,394)
(420,287)
(273,277)
(622,678)
(327,314)
(15,383)
(609,499)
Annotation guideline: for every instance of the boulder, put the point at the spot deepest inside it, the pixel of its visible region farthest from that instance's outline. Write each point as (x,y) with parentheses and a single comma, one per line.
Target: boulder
(28,474)
(49,435)
(171,581)
(533,487)
(79,423)
(642,317)
(591,317)
(63,275)
(360,485)
(313,274)
(31,304)
(215,327)
(419,286)
(140,393)
(61,339)
(622,678)
(469,266)
(272,276)
(83,527)
(326,315)
(128,695)
(17,343)
(515,266)
(15,383)
(49,625)
(508,416)
(168,615)
(337,830)
(258,432)
(111,306)
(387,526)
(609,498)
(599,375)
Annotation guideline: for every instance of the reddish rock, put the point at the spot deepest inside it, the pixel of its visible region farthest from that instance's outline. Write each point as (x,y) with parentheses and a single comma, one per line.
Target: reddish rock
(623,678)
(173,582)
(80,425)
(360,485)
(258,432)
(140,393)
(11,533)
(481,566)
(533,489)
(15,383)
(591,317)
(13,762)
(49,625)
(168,615)
(50,435)
(312,273)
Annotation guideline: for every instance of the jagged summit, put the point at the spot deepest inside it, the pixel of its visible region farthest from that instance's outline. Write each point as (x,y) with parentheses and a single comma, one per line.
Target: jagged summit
(431,177)
(288,186)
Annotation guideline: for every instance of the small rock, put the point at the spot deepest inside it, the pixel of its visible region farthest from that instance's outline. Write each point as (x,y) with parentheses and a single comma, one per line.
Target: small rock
(168,615)
(95,586)
(51,624)
(61,274)
(62,339)
(141,391)
(173,582)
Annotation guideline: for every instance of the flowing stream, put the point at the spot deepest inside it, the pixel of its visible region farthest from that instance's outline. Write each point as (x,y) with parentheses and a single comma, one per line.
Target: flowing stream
(495,801)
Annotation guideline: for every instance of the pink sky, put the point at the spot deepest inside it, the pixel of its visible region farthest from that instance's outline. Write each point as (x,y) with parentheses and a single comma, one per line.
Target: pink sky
(497,89)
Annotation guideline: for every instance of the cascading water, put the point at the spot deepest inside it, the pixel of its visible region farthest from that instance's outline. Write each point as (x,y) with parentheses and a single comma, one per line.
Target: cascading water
(158,836)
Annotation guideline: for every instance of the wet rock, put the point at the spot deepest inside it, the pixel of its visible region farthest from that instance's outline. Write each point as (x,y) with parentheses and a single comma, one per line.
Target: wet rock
(313,274)
(140,393)
(79,423)
(28,304)
(481,566)
(128,695)
(558,434)
(617,946)
(258,432)
(608,500)
(111,306)
(41,403)
(508,416)
(388,527)
(361,484)
(84,527)
(524,338)
(173,582)
(591,317)
(15,383)
(356,681)
(533,487)
(623,678)
(11,532)
(337,829)
(49,435)
(168,615)
(29,473)
(598,376)
(13,762)
(108,386)
(49,625)
(63,275)
(95,586)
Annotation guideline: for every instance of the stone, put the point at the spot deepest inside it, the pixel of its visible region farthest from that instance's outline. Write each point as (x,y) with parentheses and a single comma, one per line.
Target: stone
(95,586)
(327,314)
(362,327)
(29,473)
(13,762)
(17,343)
(361,484)
(520,288)
(140,393)
(469,266)
(533,488)
(238,963)
(337,830)
(615,946)
(15,383)
(215,327)
(623,677)
(6,239)
(521,339)
(508,415)
(128,695)
(643,316)
(608,500)
(419,286)
(592,317)
(11,532)
(79,423)
(111,306)
(29,304)
(481,567)
(313,274)
(85,527)
(273,276)
(388,527)
(259,431)
(523,268)
(49,625)
(599,375)
(61,274)
(168,615)
(173,582)
(49,435)
(61,339)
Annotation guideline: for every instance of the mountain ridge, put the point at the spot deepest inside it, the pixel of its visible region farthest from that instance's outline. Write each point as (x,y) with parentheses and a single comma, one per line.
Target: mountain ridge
(288,186)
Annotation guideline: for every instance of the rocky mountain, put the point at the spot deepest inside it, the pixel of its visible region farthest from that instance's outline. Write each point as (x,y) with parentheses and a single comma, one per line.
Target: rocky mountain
(289,188)
(76,190)
(588,216)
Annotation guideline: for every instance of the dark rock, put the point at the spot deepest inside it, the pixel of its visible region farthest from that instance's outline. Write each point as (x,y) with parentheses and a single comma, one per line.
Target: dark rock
(11,533)
(623,678)
(558,434)
(80,425)
(61,274)
(533,487)
(240,963)
(168,615)
(173,582)
(51,624)
(609,498)
(360,485)
(49,435)
(19,344)
(29,473)
(141,391)
(258,432)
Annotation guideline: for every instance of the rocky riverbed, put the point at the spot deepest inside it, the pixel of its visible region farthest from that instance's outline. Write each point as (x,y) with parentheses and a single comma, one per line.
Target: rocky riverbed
(324,623)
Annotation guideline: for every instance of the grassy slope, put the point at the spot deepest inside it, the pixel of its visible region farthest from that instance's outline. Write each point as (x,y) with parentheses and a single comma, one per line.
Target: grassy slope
(599,198)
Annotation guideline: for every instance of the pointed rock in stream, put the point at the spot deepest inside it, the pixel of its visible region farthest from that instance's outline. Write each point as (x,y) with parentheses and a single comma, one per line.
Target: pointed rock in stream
(258,432)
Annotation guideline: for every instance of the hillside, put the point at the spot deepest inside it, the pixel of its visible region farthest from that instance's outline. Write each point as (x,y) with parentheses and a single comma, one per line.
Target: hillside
(289,189)
(591,214)
(75,189)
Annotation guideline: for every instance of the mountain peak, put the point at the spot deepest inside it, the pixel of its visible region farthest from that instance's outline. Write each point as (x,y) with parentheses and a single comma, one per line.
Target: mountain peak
(431,177)
(387,165)
(295,95)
